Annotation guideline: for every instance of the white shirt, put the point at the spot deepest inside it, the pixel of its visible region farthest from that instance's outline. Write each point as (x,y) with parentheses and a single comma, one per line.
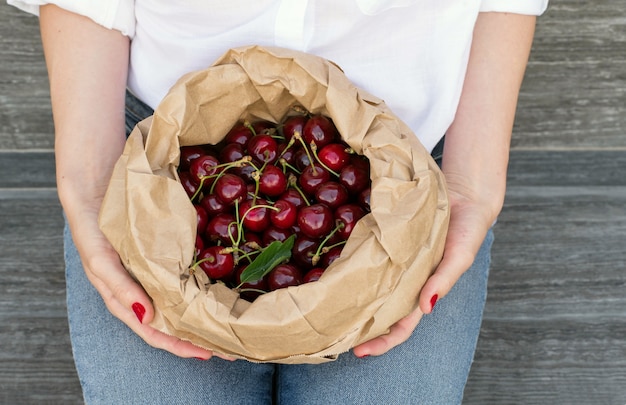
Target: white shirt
(411,53)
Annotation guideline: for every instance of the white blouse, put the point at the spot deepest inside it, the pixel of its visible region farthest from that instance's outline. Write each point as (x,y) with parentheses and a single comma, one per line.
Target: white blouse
(411,53)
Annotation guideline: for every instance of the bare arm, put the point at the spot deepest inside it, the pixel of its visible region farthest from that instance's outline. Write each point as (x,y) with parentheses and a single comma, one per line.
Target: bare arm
(475,156)
(88,66)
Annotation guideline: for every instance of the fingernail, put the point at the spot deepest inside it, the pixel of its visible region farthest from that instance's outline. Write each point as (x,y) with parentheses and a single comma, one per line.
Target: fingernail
(139,311)
(433,301)
(200,358)
(363,356)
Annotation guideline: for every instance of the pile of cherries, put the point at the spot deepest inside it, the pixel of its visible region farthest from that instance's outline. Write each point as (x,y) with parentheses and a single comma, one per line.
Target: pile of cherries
(294,186)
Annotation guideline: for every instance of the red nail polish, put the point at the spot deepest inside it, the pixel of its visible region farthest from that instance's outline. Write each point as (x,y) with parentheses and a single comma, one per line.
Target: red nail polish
(363,356)
(433,301)
(139,311)
(200,358)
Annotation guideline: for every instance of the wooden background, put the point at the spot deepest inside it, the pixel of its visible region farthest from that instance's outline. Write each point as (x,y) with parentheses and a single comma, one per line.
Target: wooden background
(554,330)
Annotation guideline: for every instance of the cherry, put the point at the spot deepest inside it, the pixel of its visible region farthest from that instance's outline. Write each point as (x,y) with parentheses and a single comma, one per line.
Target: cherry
(301,158)
(215,262)
(332,194)
(203,168)
(334,156)
(189,183)
(320,130)
(292,125)
(223,228)
(363,199)
(315,220)
(293,196)
(230,188)
(240,134)
(253,242)
(272,182)
(284,214)
(312,177)
(253,217)
(313,275)
(283,276)
(274,233)
(199,245)
(354,178)
(263,148)
(329,257)
(231,152)
(213,206)
(304,248)
(201,216)
(348,215)
(264,127)
(189,153)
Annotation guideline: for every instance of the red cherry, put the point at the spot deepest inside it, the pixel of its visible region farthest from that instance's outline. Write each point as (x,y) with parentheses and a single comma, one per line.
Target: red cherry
(334,156)
(213,206)
(284,214)
(315,220)
(283,276)
(332,194)
(264,127)
(329,257)
(293,196)
(272,182)
(320,130)
(354,178)
(254,218)
(292,125)
(263,148)
(312,177)
(202,217)
(189,183)
(203,167)
(231,152)
(239,134)
(199,245)
(189,153)
(363,199)
(222,227)
(348,215)
(230,188)
(274,233)
(313,275)
(215,263)
(304,248)
(301,158)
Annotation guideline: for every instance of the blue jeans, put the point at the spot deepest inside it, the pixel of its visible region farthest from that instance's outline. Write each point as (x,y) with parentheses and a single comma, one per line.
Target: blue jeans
(115,366)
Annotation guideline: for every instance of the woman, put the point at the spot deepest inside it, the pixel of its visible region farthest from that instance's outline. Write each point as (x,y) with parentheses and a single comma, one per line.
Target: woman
(444,67)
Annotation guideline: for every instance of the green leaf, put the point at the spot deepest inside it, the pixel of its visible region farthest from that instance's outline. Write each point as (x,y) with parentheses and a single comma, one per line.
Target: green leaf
(273,255)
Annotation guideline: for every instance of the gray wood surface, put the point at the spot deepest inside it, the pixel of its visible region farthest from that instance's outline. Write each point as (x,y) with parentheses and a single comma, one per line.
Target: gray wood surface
(554,329)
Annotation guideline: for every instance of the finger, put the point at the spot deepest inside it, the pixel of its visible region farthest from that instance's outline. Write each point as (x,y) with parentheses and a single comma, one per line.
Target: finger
(465,236)
(398,333)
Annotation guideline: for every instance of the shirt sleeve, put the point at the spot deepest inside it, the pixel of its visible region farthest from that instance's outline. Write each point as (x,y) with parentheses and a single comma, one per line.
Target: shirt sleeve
(529,7)
(112,14)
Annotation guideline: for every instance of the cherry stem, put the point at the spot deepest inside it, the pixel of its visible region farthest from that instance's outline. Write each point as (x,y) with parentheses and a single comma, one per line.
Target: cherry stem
(298,136)
(320,250)
(314,150)
(293,182)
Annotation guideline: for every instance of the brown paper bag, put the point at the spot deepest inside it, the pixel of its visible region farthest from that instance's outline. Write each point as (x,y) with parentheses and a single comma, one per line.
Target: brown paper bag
(150,221)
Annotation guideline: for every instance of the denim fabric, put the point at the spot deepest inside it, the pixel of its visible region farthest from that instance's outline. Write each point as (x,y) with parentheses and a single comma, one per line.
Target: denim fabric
(115,366)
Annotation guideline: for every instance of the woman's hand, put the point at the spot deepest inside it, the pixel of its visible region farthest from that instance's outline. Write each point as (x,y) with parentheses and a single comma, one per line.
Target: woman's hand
(475,158)
(88,67)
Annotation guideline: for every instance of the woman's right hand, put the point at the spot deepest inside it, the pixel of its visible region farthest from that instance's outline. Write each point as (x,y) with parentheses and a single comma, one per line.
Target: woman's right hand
(87,69)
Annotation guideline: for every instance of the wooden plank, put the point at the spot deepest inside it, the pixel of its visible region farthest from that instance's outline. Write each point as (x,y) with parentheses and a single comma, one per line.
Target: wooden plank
(574,92)
(36,364)
(25,113)
(27,169)
(554,327)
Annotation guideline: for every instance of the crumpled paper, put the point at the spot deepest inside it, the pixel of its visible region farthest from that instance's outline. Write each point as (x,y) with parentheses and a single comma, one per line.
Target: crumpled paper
(150,221)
